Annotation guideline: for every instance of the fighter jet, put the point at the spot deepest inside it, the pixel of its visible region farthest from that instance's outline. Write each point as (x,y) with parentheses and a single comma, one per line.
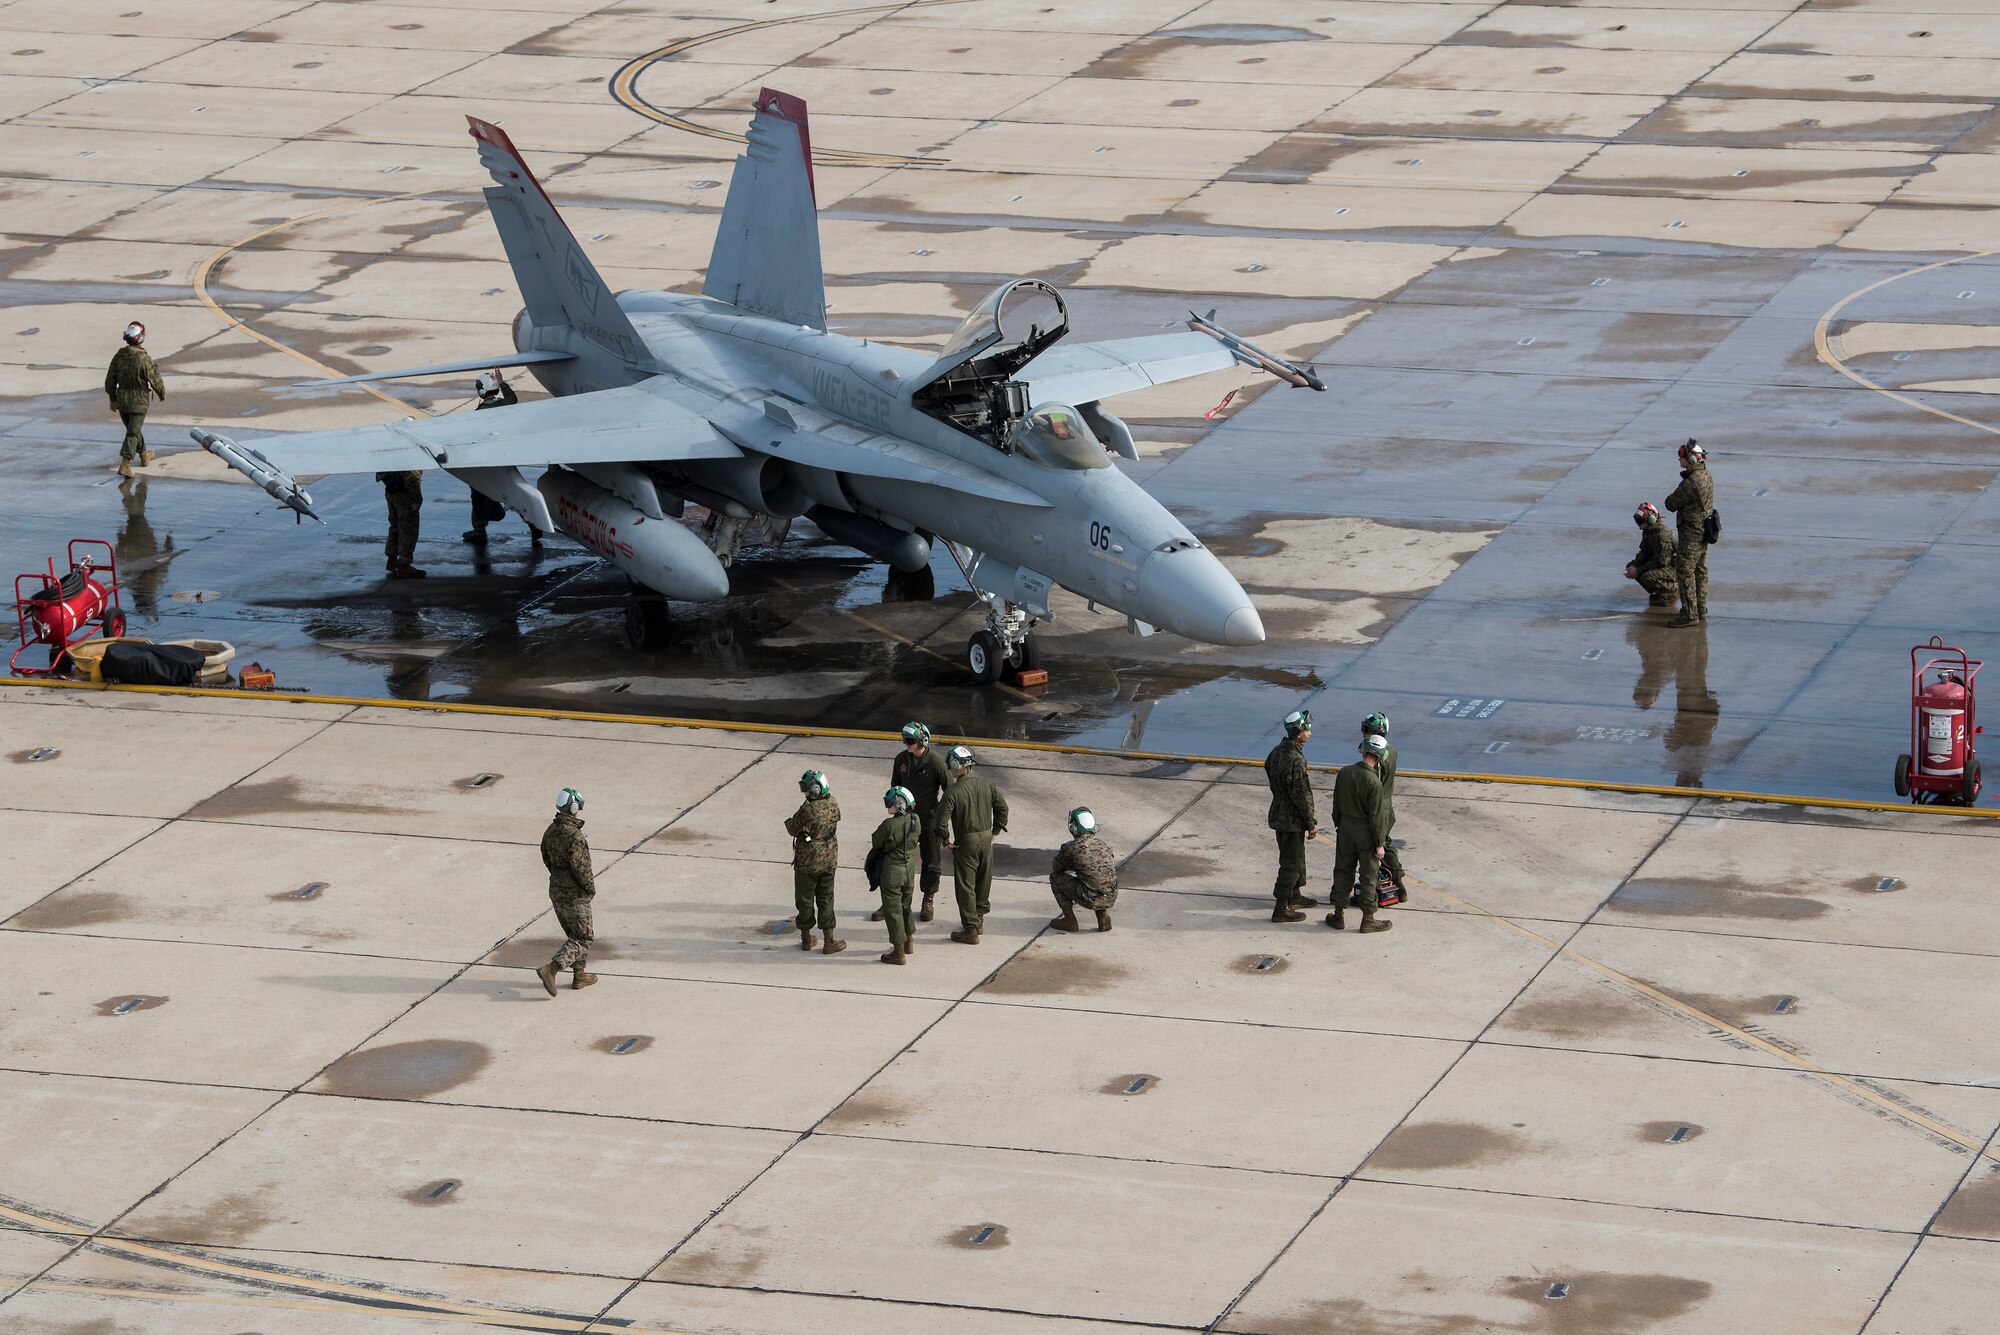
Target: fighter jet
(738,400)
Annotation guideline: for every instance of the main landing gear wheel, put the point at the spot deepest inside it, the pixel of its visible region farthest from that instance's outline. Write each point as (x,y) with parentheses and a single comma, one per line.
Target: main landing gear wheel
(1902,776)
(983,657)
(646,626)
(1027,654)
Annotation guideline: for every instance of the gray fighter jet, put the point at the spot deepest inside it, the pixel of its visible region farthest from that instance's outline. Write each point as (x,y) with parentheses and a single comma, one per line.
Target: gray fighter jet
(739,401)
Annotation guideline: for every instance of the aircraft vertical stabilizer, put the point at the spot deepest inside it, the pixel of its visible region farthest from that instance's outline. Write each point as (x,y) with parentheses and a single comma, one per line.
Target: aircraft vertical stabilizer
(559,285)
(766,255)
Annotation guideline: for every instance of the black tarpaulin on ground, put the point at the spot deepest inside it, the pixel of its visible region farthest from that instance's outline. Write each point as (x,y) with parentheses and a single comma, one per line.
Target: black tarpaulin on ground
(152,664)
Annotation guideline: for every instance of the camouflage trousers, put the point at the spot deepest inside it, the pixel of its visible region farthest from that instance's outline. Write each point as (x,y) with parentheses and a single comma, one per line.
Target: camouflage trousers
(972,880)
(135,436)
(896,913)
(1661,585)
(401,545)
(812,898)
(1291,865)
(1071,893)
(573,912)
(1691,567)
(1352,856)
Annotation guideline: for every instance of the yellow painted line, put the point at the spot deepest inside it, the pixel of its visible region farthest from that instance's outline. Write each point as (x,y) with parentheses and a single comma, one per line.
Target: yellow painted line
(1858,1090)
(1824,348)
(990,743)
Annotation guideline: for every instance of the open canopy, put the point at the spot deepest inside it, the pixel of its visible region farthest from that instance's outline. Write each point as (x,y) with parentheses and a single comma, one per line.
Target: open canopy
(1023,316)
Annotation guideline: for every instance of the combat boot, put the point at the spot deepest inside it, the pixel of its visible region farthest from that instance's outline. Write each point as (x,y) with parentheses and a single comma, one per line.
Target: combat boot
(124,467)
(929,910)
(910,946)
(876,916)
(832,947)
(966,938)
(1337,920)
(806,940)
(894,955)
(1104,920)
(1686,618)
(1371,923)
(1304,902)
(580,980)
(547,973)
(146,459)
(475,536)
(1067,922)
(1285,913)
(407,572)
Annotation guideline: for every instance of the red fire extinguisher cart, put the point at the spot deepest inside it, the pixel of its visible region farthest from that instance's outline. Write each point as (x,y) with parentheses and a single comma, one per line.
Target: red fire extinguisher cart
(1941,765)
(60,610)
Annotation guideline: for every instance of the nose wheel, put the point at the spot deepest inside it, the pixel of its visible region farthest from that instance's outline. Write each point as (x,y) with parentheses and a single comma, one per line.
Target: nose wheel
(1007,644)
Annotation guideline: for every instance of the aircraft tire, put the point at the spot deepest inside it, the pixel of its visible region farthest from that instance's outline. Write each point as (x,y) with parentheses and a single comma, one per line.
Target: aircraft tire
(983,657)
(647,629)
(1029,655)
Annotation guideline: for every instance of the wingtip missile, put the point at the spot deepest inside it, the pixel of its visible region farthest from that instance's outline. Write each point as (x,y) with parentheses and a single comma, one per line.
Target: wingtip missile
(275,482)
(1248,353)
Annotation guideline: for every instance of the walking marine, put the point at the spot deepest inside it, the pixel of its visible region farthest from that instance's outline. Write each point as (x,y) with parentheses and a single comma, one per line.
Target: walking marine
(978,812)
(1084,873)
(1693,503)
(404,492)
(1377,725)
(894,852)
(815,856)
(1292,816)
(130,383)
(1654,566)
(920,771)
(1361,836)
(566,853)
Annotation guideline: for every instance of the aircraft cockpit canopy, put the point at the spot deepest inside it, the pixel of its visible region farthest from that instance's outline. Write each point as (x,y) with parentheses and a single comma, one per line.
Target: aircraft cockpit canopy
(1056,436)
(971,384)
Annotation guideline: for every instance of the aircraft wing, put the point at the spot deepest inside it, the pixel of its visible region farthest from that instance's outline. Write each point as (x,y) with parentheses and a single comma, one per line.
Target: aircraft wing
(606,426)
(1086,372)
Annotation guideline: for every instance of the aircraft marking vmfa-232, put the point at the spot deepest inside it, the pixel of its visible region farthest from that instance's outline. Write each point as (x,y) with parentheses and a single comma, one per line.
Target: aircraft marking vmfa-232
(740,401)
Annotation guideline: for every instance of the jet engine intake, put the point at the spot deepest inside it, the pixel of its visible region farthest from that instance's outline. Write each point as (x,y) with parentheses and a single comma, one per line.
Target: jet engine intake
(764,484)
(905,551)
(659,553)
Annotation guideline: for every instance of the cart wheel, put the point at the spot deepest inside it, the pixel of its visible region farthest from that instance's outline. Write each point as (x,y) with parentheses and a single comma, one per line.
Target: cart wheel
(983,657)
(1969,792)
(1902,776)
(646,626)
(114,624)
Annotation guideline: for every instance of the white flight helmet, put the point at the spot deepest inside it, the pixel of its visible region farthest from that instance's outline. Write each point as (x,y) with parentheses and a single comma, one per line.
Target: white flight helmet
(135,333)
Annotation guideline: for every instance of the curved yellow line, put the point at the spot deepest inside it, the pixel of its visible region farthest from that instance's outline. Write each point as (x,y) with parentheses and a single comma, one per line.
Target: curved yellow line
(1824,348)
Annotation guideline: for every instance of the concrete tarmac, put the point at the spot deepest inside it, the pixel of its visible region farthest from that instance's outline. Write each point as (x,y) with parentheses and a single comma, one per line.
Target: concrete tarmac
(1532,248)
(273,1057)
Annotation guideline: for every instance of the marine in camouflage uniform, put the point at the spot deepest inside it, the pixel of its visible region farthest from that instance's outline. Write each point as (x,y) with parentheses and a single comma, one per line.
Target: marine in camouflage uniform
(572,887)
(1361,837)
(815,856)
(920,768)
(1654,567)
(404,492)
(978,812)
(130,383)
(1293,819)
(1692,503)
(896,839)
(1084,874)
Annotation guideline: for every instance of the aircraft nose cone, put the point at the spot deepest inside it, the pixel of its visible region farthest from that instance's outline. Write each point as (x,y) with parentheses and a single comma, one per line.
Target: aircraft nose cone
(1243,627)
(1190,593)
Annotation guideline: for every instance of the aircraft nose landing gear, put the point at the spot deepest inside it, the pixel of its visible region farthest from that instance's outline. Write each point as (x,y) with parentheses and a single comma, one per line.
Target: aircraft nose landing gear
(1007,645)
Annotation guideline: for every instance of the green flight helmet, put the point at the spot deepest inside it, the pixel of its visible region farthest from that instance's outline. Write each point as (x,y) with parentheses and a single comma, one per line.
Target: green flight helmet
(1298,721)
(1375,744)
(1376,723)
(570,800)
(813,783)
(916,734)
(899,799)
(1081,822)
(959,757)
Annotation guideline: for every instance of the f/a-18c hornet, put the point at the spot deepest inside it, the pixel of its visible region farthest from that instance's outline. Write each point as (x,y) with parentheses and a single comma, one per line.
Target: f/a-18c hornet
(740,401)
